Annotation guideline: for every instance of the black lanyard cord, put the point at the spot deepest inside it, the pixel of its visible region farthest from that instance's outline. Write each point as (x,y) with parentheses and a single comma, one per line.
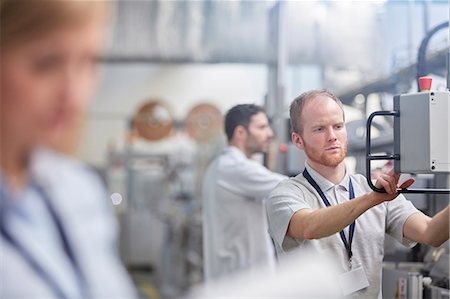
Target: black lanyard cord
(347,244)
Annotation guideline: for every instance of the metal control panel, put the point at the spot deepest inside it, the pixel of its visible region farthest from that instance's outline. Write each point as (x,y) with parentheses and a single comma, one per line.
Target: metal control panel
(421,136)
(422,132)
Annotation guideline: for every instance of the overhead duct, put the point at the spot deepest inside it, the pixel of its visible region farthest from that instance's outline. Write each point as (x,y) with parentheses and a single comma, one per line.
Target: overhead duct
(238,32)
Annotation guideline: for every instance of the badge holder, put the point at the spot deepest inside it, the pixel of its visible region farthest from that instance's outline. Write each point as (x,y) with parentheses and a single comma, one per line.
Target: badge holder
(353,280)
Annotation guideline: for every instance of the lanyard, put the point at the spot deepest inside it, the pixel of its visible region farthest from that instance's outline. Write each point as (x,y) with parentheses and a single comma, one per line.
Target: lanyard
(34,264)
(347,244)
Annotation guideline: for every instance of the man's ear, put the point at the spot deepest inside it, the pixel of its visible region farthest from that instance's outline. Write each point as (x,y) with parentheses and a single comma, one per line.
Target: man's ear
(240,132)
(297,140)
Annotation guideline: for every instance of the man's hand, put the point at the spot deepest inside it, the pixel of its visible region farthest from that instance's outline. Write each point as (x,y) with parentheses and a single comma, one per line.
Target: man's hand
(307,224)
(389,181)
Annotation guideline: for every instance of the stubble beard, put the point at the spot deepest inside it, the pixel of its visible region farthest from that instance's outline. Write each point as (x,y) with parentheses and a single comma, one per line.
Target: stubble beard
(325,159)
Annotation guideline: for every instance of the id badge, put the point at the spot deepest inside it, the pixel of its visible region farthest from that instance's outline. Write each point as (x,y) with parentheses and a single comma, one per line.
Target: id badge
(353,280)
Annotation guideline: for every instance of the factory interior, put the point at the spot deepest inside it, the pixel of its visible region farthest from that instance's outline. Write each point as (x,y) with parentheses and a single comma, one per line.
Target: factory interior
(173,69)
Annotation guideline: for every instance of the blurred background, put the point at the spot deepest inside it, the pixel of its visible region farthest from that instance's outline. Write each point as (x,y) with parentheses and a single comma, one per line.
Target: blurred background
(173,68)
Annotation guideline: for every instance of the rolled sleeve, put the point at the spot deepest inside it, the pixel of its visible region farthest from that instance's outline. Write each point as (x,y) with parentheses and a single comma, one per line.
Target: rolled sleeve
(398,211)
(283,202)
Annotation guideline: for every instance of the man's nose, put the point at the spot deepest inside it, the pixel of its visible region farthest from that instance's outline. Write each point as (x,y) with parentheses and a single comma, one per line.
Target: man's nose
(270,134)
(331,135)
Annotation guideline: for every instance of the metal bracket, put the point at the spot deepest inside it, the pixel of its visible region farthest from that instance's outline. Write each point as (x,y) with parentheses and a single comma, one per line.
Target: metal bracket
(370,157)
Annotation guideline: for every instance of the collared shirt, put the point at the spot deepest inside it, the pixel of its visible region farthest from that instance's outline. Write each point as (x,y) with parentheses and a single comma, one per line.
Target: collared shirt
(29,221)
(81,205)
(235,235)
(296,193)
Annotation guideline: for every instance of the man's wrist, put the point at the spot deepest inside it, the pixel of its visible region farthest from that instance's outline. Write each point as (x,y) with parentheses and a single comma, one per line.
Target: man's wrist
(374,198)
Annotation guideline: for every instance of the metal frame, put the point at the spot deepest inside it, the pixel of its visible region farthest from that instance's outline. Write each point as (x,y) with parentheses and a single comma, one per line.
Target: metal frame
(370,157)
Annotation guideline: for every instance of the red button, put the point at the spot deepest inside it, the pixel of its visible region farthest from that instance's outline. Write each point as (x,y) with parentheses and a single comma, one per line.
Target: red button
(283,147)
(425,83)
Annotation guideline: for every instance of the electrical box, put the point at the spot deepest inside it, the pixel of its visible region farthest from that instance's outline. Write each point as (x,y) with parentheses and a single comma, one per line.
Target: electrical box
(422,132)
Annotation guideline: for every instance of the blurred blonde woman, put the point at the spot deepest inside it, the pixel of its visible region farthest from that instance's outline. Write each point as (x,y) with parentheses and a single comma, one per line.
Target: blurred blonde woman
(58,233)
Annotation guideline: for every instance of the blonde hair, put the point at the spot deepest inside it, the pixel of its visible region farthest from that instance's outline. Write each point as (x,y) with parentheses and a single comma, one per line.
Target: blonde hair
(22,20)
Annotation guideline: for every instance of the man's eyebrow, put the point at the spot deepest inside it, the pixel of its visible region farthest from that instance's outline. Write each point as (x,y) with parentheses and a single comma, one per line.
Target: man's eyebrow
(317,123)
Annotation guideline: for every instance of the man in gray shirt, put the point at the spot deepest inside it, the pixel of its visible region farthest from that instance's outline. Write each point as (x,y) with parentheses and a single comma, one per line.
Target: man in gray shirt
(327,210)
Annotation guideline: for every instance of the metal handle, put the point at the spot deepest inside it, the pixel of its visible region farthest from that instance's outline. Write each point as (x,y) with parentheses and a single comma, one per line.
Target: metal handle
(370,157)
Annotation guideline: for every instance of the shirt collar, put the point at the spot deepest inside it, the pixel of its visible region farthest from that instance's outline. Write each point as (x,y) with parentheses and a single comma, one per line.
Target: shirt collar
(325,184)
(35,175)
(8,196)
(235,152)
(41,172)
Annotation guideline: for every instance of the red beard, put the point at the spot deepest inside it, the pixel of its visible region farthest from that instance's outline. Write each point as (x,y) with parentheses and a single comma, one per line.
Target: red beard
(324,158)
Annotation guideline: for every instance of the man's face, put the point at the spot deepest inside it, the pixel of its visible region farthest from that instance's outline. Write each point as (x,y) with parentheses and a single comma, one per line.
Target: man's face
(324,136)
(259,134)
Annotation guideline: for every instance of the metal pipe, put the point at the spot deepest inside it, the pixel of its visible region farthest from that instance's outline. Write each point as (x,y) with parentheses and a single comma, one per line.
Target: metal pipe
(422,69)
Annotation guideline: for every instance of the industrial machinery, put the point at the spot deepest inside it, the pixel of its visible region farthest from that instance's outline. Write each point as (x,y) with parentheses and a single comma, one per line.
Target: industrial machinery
(421,136)
(159,173)
(417,280)
(203,122)
(421,146)
(425,115)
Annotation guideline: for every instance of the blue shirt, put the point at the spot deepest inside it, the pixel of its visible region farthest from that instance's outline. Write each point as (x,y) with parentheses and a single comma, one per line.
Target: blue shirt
(80,203)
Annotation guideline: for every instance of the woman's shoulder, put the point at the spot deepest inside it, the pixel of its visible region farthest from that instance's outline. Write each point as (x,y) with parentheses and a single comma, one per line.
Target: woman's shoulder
(46,163)
(67,177)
